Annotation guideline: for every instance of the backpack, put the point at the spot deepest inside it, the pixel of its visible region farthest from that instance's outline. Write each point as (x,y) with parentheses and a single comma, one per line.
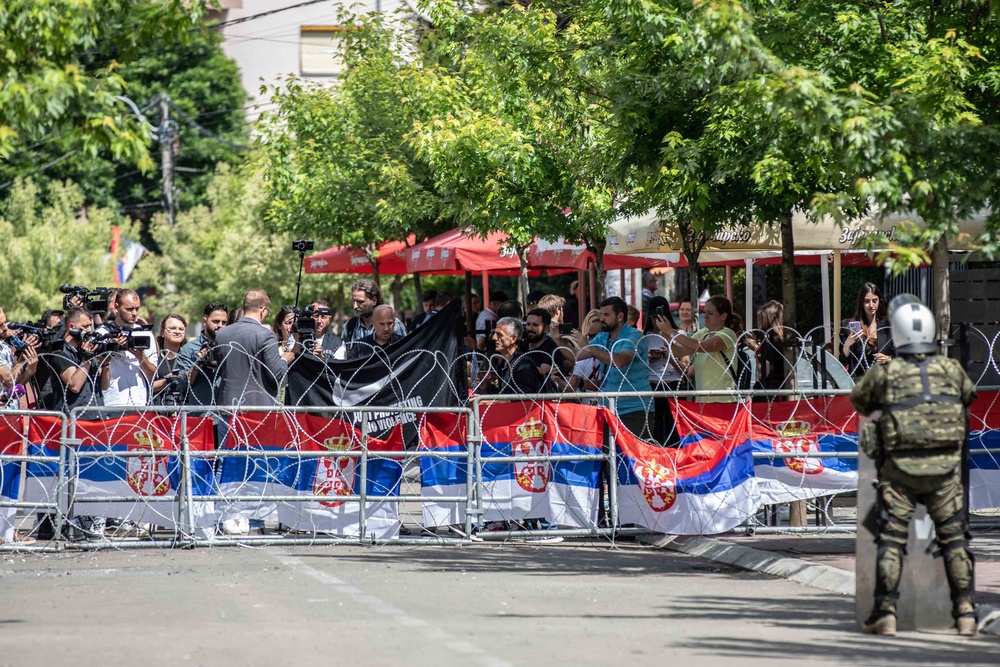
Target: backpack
(741,368)
(923,410)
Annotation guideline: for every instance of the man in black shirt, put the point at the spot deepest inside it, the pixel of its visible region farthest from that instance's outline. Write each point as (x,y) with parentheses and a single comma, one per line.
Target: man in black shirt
(75,375)
(326,344)
(511,372)
(543,352)
(383,335)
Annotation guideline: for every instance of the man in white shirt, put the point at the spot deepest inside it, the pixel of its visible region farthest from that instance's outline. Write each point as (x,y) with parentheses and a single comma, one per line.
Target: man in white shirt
(132,370)
(487,316)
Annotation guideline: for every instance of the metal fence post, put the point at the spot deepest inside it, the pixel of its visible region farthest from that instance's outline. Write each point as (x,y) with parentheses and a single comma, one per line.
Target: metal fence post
(63,475)
(477,452)
(471,438)
(612,474)
(186,509)
(363,492)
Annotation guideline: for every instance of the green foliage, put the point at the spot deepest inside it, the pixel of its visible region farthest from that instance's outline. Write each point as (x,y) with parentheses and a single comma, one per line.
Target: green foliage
(51,243)
(216,253)
(203,83)
(336,159)
(60,70)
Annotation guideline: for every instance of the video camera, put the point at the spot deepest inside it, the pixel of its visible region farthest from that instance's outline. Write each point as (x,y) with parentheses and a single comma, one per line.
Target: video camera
(94,300)
(209,362)
(49,338)
(107,341)
(305,321)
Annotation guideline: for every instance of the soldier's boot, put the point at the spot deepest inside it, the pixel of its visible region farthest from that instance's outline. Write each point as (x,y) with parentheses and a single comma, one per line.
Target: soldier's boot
(965,618)
(960,568)
(888,572)
(880,623)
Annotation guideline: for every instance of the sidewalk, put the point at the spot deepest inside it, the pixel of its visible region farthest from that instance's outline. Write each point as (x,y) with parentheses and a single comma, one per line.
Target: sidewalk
(825,562)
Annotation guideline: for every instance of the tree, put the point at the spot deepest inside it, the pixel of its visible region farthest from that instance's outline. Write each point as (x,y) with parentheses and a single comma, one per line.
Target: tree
(216,252)
(60,65)
(202,83)
(51,239)
(336,159)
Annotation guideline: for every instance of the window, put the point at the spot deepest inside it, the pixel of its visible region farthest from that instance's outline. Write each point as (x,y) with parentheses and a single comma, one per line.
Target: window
(320,49)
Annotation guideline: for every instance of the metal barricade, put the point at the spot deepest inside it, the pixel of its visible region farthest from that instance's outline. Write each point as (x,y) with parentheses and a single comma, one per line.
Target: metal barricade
(54,508)
(186,499)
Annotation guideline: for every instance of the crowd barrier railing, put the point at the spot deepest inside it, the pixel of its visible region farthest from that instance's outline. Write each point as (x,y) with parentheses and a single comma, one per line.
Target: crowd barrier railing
(69,503)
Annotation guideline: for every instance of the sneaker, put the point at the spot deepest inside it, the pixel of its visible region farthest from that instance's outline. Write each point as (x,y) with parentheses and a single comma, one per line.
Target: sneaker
(237,526)
(545,539)
(967,626)
(127,529)
(885,624)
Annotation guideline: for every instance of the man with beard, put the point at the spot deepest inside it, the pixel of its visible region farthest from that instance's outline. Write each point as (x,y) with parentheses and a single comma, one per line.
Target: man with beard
(383,336)
(195,358)
(543,352)
(130,381)
(366,295)
(623,355)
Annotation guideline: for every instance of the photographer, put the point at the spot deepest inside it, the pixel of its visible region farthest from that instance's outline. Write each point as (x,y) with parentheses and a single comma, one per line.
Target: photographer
(18,363)
(79,373)
(196,360)
(325,343)
(133,367)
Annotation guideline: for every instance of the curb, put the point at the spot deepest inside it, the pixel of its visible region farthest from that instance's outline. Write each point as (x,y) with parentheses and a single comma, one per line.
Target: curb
(824,577)
(800,571)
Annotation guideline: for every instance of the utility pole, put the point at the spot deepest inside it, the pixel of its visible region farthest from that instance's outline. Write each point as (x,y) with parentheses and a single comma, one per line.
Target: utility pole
(167,158)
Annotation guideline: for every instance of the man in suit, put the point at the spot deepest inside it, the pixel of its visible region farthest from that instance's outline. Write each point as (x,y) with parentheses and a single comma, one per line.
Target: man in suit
(250,365)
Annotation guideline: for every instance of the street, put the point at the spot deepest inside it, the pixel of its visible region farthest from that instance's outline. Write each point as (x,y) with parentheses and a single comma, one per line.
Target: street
(514,604)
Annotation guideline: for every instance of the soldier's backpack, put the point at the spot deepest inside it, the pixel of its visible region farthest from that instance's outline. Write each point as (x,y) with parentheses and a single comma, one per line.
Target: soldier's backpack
(923,410)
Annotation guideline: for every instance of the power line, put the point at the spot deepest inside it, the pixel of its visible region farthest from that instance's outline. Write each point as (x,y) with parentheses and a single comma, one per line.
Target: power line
(208,133)
(244,19)
(42,168)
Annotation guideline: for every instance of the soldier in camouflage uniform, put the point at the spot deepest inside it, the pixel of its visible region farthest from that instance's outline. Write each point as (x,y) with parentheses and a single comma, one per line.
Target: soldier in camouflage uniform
(917,446)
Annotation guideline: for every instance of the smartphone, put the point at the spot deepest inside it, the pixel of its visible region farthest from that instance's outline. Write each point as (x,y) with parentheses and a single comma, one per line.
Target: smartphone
(854,326)
(566,328)
(659,311)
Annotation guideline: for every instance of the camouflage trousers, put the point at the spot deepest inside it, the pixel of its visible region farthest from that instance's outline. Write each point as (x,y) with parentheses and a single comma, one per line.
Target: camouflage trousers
(944,498)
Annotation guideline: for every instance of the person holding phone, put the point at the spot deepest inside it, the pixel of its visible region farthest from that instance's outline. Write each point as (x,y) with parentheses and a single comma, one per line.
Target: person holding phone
(866,337)
(665,372)
(173,330)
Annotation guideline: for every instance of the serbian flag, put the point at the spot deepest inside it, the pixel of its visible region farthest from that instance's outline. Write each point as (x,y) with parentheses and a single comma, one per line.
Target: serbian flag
(339,475)
(705,487)
(984,469)
(41,479)
(442,432)
(564,493)
(11,444)
(152,481)
(827,425)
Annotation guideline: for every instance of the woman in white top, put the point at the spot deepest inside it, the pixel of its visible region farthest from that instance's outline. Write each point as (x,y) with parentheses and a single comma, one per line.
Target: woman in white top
(712,349)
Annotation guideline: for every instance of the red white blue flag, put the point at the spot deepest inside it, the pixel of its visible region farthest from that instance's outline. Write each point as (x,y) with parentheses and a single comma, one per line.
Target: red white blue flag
(804,428)
(705,487)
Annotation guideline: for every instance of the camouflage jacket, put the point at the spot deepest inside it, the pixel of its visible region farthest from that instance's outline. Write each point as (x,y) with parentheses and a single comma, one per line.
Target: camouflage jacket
(922,428)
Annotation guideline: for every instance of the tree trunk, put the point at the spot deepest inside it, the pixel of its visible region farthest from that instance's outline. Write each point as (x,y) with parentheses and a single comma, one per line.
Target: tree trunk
(602,288)
(942,288)
(788,271)
(796,510)
(522,282)
(419,289)
(396,294)
(694,286)
(373,260)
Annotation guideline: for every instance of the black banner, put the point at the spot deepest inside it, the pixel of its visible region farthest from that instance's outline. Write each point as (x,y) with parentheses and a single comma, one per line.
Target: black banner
(415,371)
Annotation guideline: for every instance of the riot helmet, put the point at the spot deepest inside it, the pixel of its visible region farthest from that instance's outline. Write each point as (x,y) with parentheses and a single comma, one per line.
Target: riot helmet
(913,325)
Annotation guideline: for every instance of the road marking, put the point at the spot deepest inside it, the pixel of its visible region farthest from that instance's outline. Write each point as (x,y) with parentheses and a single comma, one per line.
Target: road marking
(392,613)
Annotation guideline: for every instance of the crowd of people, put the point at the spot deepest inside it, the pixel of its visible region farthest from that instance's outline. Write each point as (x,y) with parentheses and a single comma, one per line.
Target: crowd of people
(81,357)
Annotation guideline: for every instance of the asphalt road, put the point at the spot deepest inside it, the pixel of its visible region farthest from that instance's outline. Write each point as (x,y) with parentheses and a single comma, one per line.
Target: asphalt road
(514,604)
